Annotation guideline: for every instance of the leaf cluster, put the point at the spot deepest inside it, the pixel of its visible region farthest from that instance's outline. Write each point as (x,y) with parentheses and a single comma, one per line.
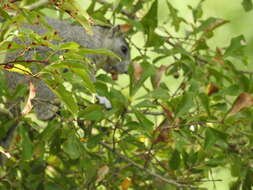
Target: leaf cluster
(183,110)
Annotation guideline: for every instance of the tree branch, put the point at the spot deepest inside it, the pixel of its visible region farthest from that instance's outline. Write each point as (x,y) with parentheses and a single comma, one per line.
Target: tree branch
(151,173)
(148,113)
(26,61)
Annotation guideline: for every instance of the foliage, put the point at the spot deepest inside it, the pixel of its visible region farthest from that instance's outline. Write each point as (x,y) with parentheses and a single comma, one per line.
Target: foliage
(153,137)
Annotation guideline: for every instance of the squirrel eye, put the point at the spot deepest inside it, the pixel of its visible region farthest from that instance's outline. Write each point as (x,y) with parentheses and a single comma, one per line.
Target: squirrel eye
(124,49)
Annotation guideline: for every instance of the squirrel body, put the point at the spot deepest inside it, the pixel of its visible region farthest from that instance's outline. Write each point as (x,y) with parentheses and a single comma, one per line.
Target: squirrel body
(102,38)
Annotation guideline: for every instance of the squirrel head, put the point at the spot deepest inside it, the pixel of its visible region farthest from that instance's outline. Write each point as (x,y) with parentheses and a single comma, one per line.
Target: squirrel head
(116,42)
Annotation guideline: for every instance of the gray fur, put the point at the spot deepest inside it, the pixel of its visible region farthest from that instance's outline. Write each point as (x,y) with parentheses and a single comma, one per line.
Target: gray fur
(103,37)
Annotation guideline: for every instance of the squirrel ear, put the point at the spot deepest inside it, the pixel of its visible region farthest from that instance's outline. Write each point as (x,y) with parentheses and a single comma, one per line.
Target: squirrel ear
(121,28)
(125,27)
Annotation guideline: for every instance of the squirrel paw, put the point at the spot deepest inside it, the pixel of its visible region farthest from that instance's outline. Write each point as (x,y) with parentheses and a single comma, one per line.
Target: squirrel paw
(104,101)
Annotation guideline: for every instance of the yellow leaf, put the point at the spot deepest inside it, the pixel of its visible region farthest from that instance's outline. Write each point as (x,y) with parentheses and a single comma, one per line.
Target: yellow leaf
(126,183)
(17,68)
(142,139)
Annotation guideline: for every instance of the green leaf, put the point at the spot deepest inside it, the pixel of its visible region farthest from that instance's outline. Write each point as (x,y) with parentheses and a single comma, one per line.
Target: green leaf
(65,96)
(94,140)
(247,5)
(52,186)
(176,20)
(145,103)
(235,185)
(213,136)
(49,131)
(154,39)
(236,167)
(88,167)
(236,47)
(175,160)
(198,11)
(248,180)
(4,14)
(210,138)
(148,72)
(86,51)
(147,125)
(92,112)
(232,90)
(72,146)
(85,77)
(150,22)
(26,143)
(183,52)
(158,93)
(79,68)
(69,46)
(185,104)
(205,102)
(74,9)
(150,19)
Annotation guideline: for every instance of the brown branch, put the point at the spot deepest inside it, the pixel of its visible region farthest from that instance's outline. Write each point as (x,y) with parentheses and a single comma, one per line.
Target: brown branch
(26,61)
(151,173)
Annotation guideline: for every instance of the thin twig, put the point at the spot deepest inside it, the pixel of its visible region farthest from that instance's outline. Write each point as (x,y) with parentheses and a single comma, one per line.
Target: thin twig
(246,72)
(169,181)
(148,113)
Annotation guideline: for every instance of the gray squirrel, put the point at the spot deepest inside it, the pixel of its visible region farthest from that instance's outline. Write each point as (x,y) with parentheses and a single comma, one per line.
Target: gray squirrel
(103,37)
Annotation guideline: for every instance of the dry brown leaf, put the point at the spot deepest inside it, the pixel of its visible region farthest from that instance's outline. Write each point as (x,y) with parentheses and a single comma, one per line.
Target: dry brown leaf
(211,89)
(218,60)
(244,100)
(102,172)
(32,93)
(156,79)
(216,24)
(137,71)
(163,132)
(125,27)
(126,183)
(218,56)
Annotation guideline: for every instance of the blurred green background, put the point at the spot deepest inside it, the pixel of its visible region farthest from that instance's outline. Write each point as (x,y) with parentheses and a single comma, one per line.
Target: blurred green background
(241,22)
